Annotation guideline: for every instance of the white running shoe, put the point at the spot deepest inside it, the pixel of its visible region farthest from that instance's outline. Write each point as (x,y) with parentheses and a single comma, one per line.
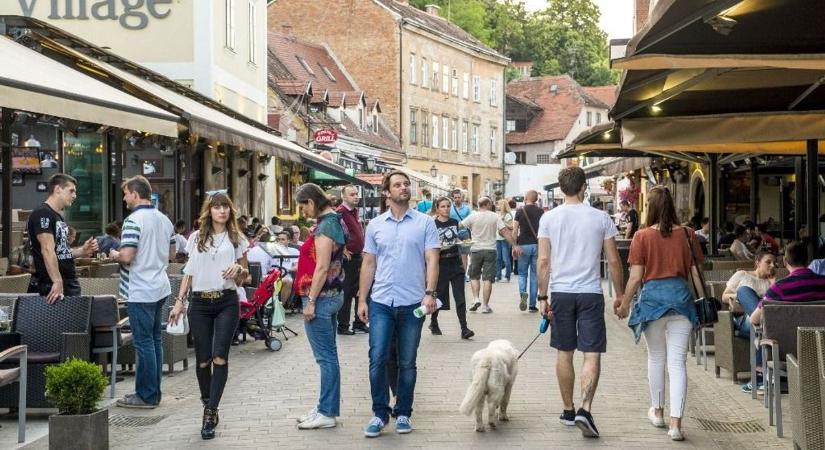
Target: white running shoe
(308,415)
(486,310)
(676,434)
(318,421)
(658,422)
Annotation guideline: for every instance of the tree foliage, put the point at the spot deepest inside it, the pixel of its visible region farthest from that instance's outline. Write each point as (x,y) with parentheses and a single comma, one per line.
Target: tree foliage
(564,38)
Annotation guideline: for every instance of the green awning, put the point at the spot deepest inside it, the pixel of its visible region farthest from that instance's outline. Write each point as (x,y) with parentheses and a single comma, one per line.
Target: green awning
(319,175)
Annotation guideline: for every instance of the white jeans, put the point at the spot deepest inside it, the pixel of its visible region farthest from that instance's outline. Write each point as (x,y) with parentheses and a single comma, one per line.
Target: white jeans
(667,339)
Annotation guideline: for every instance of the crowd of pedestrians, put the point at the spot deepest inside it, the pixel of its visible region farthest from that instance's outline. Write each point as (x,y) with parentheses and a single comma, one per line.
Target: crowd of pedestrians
(408,262)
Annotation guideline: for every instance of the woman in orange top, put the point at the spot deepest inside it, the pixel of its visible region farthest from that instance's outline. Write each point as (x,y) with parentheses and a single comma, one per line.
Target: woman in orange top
(660,257)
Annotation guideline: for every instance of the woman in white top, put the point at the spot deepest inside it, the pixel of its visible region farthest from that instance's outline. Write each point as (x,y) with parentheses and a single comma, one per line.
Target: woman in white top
(503,248)
(738,247)
(217,266)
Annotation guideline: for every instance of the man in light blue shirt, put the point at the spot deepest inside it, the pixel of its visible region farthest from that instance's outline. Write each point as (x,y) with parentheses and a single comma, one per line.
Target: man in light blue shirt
(426,203)
(401,254)
(817,266)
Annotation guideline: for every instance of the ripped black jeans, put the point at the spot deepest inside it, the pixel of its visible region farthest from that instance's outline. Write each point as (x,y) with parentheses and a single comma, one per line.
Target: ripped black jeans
(213,323)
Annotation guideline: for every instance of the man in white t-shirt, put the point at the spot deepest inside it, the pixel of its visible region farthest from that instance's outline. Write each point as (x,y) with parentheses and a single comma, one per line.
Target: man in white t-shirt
(485,226)
(571,240)
(146,243)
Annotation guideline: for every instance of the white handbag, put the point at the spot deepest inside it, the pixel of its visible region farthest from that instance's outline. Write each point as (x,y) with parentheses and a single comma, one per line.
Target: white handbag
(179,328)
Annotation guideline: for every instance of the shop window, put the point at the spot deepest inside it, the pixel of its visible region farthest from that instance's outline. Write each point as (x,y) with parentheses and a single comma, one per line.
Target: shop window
(87,161)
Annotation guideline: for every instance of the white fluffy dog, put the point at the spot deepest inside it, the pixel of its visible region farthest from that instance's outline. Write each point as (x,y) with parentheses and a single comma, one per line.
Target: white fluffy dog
(494,372)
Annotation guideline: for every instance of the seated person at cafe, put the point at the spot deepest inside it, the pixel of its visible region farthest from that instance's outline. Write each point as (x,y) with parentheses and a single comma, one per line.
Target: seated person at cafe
(768,242)
(739,247)
(727,236)
(258,254)
(747,287)
(754,238)
(110,240)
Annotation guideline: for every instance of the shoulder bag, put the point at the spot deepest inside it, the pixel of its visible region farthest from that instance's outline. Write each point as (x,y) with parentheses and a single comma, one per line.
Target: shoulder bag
(707,308)
(530,224)
(463,233)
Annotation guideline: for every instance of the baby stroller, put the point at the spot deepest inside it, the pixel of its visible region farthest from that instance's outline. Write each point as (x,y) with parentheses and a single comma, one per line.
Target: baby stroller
(262,316)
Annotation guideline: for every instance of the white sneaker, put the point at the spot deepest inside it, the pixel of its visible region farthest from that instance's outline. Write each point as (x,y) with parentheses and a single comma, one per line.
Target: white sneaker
(676,434)
(486,310)
(658,422)
(318,421)
(308,415)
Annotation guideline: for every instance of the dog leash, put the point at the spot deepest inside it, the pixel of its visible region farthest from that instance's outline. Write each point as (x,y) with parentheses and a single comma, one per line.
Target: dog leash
(543,326)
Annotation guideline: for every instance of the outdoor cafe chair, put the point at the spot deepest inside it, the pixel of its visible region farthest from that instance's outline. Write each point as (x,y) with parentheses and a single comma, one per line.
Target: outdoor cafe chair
(104,270)
(107,335)
(15,284)
(17,374)
(808,423)
(99,286)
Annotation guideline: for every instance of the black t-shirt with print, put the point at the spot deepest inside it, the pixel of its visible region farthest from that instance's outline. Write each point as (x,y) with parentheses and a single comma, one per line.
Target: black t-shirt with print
(46,220)
(525,233)
(448,234)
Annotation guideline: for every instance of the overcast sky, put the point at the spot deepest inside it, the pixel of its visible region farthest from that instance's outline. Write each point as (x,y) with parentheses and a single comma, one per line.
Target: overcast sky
(616,20)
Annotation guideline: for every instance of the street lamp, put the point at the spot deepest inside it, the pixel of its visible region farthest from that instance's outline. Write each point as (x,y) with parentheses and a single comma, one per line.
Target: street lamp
(370,164)
(434,171)
(336,155)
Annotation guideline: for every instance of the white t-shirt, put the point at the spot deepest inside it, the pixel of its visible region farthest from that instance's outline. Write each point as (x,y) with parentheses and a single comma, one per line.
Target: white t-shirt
(149,231)
(743,278)
(484,226)
(206,268)
(180,243)
(258,255)
(577,234)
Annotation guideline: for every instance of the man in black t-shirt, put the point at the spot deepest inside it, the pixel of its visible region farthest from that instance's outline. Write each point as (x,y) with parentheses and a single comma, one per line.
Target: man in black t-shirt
(525,227)
(632,218)
(53,257)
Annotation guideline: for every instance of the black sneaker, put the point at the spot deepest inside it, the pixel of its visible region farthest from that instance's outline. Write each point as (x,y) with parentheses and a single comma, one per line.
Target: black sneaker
(533,309)
(361,328)
(345,331)
(475,306)
(585,423)
(568,417)
(434,328)
(467,333)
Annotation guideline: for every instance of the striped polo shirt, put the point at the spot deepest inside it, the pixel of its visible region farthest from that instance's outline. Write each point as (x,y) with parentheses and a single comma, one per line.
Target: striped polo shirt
(152,234)
(802,285)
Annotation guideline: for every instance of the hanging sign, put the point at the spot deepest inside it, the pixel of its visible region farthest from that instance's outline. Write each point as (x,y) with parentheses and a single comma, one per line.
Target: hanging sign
(326,137)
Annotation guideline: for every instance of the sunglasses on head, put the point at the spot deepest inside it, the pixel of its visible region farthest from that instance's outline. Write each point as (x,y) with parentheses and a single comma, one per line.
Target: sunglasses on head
(211,194)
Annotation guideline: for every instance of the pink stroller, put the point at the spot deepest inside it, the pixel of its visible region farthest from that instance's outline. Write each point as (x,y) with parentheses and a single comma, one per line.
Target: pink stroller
(257,312)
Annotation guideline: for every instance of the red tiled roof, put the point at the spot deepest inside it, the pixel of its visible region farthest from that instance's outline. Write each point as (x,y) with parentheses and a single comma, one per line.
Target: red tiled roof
(292,87)
(287,50)
(374,179)
(606,94)
(559,110)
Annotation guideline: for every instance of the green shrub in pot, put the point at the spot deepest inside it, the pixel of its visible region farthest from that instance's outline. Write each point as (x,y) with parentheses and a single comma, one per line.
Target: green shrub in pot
(75,386)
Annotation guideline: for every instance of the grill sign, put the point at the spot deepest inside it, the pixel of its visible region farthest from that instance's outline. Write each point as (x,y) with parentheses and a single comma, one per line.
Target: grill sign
(326,137)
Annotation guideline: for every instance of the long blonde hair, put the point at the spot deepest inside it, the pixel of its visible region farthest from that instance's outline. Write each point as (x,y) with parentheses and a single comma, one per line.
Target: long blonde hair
(503,207)
(207,231)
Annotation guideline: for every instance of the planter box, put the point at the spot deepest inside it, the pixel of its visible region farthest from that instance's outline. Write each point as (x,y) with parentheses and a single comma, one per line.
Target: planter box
(84,432)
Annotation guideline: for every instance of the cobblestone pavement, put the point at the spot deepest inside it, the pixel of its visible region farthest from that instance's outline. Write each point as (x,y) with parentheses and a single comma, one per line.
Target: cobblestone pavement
(267,391)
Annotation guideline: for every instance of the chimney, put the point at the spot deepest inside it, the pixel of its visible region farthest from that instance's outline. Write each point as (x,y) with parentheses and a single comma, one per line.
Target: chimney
(432,10)
(640,14)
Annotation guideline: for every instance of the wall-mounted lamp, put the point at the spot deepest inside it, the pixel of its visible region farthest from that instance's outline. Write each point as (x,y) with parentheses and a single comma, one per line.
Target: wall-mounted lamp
(264,158)
(434,171)
(370,163)
(262,177)
(216,170)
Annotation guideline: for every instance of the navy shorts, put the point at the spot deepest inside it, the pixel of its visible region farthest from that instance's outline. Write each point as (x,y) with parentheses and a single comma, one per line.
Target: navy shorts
(578,322)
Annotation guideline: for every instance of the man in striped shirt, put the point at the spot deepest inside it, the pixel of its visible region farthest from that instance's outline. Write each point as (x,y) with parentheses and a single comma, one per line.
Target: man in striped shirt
(146,245)
(801,285)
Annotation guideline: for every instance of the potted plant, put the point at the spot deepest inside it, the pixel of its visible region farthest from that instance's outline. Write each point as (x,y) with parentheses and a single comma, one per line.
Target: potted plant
(75,387)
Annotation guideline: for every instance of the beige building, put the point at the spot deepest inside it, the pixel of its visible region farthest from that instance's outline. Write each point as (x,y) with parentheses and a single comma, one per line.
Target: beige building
(217,48)
(441,89)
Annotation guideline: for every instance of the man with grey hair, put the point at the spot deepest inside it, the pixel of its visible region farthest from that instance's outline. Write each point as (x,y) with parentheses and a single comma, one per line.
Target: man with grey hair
(484,225)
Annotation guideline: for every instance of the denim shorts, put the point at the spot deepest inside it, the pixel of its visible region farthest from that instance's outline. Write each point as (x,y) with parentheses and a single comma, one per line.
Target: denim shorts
(578,322)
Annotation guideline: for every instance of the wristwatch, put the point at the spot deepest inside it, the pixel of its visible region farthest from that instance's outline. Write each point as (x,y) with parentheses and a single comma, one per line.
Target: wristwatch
(542,298)
(430,293)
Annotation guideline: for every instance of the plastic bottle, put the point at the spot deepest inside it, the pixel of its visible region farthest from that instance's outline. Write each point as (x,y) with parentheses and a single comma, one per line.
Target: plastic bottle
(421,311)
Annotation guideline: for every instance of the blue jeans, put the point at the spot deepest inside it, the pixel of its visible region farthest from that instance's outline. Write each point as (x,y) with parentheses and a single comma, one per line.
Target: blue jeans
(321,335)
(527,264)
(503,253)
(145,322)
(386,322)
(749,300)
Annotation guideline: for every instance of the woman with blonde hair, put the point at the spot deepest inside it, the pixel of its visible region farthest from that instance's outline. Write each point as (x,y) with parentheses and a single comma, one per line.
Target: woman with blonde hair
(662,257)
(217,266)
(503,248)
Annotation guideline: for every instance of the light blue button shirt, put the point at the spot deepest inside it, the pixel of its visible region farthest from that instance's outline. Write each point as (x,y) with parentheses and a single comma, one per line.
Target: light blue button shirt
(818,266)
(399,248)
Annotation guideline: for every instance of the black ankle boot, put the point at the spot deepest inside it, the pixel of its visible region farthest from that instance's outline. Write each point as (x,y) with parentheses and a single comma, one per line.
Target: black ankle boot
(435,329)
(210,421)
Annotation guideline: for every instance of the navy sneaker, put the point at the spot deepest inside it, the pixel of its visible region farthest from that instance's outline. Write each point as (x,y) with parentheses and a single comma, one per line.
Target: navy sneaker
(374,428)
(403,425)
(568,417)
(585,423)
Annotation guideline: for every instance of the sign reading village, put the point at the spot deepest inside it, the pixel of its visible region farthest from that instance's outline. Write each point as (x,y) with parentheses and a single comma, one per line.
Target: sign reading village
(131,14)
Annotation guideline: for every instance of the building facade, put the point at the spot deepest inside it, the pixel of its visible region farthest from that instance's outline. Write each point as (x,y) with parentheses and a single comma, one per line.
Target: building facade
(544,115)
(441,89)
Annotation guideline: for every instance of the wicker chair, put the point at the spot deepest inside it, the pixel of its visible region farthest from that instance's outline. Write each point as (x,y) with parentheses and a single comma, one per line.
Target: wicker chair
(732,265)
(17,374)
(4,266)
(53,333)
(104,270)
(15,284)
(100,286)
(779,323)
(718,274)
(731,353)
(107,336)
(175,269)
(808,424)
(174,346)
(820,345)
